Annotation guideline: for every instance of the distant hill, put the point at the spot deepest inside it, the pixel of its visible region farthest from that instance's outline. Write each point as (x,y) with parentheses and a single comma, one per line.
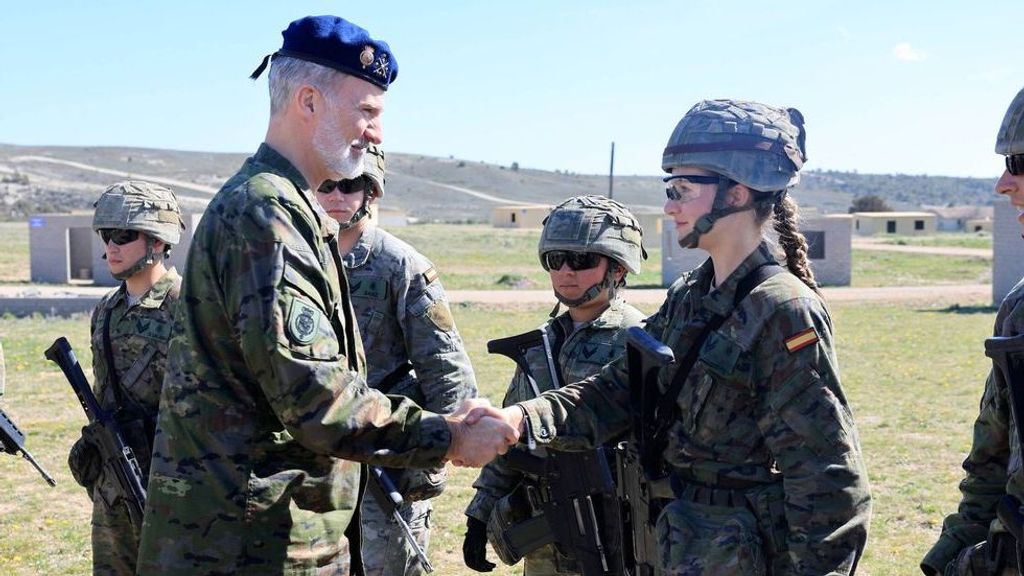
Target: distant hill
(55,178)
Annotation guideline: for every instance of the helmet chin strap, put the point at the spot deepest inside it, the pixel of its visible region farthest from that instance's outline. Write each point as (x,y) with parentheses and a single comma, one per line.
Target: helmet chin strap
(147,260)
(363,212)
(719,210)
(608,282)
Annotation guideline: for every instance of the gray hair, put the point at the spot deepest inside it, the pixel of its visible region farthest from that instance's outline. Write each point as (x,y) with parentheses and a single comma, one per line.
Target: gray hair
(288,74)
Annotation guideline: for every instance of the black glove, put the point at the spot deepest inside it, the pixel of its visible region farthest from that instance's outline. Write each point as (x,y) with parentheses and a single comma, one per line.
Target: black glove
(84,460)
(474,547)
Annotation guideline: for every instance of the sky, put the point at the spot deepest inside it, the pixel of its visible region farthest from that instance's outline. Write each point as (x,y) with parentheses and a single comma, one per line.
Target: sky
(912,87)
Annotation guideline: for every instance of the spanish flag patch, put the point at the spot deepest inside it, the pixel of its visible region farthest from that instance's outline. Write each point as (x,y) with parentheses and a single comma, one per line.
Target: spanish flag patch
(801,340)
(430,275)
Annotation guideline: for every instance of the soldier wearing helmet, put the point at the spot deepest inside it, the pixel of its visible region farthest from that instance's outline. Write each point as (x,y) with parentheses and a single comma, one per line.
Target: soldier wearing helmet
(757,463)
(974,541)
(588,246)
(413,349)
(139,223)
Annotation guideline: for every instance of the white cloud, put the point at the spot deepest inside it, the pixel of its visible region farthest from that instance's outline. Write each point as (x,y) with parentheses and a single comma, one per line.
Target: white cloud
(844,33)
(904,51)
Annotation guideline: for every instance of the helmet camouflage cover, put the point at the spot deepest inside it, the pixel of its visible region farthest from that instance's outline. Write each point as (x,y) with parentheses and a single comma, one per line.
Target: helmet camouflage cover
(594,224)
(754,144)
(1011,134)
(142,206)
(373,169)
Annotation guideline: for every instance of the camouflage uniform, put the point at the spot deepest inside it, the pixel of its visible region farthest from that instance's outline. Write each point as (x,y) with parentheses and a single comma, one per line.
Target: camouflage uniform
(414,350)
(139,336)
(754,416)
(583,352)
(265,394)
(993,466)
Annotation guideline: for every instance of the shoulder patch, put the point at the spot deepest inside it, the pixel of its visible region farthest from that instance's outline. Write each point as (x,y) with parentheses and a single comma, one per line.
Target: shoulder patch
(430,275)
(801,340)
(303,322)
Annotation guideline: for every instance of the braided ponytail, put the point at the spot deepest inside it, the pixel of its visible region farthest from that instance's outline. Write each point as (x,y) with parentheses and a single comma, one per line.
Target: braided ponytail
(792,241)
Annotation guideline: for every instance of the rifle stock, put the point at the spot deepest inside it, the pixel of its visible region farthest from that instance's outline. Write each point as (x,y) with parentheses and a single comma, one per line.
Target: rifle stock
(115,453)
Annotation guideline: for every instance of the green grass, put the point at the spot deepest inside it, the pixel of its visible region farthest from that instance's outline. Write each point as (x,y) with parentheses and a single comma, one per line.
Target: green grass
(872,268)
(478,256)
(913,374)
(948,239)
(14,258)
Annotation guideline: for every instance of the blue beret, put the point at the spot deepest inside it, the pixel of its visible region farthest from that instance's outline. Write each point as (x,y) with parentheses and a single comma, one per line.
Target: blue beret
(339,44)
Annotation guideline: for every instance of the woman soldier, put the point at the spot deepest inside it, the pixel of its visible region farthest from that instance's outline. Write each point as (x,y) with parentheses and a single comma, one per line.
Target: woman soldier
(762,454)
(588,245)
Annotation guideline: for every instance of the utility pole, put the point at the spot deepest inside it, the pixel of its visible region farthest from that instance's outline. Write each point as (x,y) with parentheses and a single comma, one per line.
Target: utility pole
(611,172)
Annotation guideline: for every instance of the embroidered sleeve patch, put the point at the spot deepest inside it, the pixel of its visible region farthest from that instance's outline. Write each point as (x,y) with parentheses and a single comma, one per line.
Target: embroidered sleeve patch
(303,322)
(801,340)
(430,275)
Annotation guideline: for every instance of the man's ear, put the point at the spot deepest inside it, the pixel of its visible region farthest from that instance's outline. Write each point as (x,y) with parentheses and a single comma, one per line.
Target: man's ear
(306,100)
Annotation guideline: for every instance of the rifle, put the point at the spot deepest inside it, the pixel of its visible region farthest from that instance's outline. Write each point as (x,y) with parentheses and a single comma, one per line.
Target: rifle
(637,491)
(115,453)
(390,500)
(580,512)
(1007,354)
(12,441)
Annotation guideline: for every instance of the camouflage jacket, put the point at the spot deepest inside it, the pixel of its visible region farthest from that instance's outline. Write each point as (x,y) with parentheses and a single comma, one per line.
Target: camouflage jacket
(265,394)
(404,319)
(139,337)
(993,465)
(582,355)
(762,405)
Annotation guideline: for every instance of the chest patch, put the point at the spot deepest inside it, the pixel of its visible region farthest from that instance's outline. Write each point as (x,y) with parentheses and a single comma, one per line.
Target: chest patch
(303,322)
(375,288)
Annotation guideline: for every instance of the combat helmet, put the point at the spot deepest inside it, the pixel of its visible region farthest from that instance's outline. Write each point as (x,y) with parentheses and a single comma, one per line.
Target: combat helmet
(759,146)
(599,225)
(373,170)
(143,206)
(1010,140)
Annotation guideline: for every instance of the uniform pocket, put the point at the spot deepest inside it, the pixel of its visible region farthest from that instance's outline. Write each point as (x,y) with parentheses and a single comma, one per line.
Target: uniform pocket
(697,540)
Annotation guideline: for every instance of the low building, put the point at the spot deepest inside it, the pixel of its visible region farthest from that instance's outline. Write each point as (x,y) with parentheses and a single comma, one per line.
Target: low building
(976,225)
(829,249)
(901,223)
(520,215)
(1007,249)
(64,249)
(961,218)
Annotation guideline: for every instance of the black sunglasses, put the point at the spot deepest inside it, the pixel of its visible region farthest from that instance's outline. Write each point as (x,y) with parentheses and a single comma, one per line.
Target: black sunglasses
(674,194)
(118,236)
(1015,164)
(356,186)
(577,261)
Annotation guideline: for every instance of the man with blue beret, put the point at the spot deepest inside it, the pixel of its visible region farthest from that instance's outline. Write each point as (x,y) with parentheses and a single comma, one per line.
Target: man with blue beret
(265,413)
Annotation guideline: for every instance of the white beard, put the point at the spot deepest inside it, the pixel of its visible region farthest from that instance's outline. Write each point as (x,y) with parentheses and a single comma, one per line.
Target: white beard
(335,154)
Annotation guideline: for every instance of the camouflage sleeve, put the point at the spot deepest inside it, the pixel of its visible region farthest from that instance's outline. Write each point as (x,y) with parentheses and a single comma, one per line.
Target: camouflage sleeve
(986,467)
(443,369)
(273,282)
(809,429)
(496,479)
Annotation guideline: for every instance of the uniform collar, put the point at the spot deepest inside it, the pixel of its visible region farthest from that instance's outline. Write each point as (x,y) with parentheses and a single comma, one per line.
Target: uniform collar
(155,296)
(719,300)
(610,318)
(278,164)
(366,246)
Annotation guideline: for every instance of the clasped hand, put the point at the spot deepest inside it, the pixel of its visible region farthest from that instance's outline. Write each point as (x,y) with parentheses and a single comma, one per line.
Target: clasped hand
(480,432)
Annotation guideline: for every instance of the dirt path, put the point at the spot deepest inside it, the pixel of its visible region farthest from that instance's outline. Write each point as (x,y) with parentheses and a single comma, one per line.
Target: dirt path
(210,191)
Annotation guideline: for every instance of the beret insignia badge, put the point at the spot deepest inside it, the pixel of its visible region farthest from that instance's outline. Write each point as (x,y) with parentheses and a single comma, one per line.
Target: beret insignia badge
(381,68)
(366,56)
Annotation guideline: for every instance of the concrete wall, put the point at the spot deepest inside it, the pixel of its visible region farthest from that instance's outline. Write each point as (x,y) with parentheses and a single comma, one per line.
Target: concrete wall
(63,247)
(832,269)
(524,216)
(903,223)
(978,225)
(1007,250)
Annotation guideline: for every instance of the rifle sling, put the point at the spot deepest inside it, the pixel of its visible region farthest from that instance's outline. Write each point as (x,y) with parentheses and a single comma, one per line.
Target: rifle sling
(752,280)
(112,380)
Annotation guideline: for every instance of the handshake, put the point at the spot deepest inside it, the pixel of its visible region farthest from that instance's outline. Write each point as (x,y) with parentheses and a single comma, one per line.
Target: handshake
(480,432)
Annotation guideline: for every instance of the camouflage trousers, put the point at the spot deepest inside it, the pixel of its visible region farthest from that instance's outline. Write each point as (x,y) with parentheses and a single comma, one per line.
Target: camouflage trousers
(115,547)
(547,561)
(704,540)
(384,548)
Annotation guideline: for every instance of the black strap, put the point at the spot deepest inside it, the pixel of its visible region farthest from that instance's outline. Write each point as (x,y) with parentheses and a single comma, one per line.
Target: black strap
(396,376)
(112,380)
(664,418)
